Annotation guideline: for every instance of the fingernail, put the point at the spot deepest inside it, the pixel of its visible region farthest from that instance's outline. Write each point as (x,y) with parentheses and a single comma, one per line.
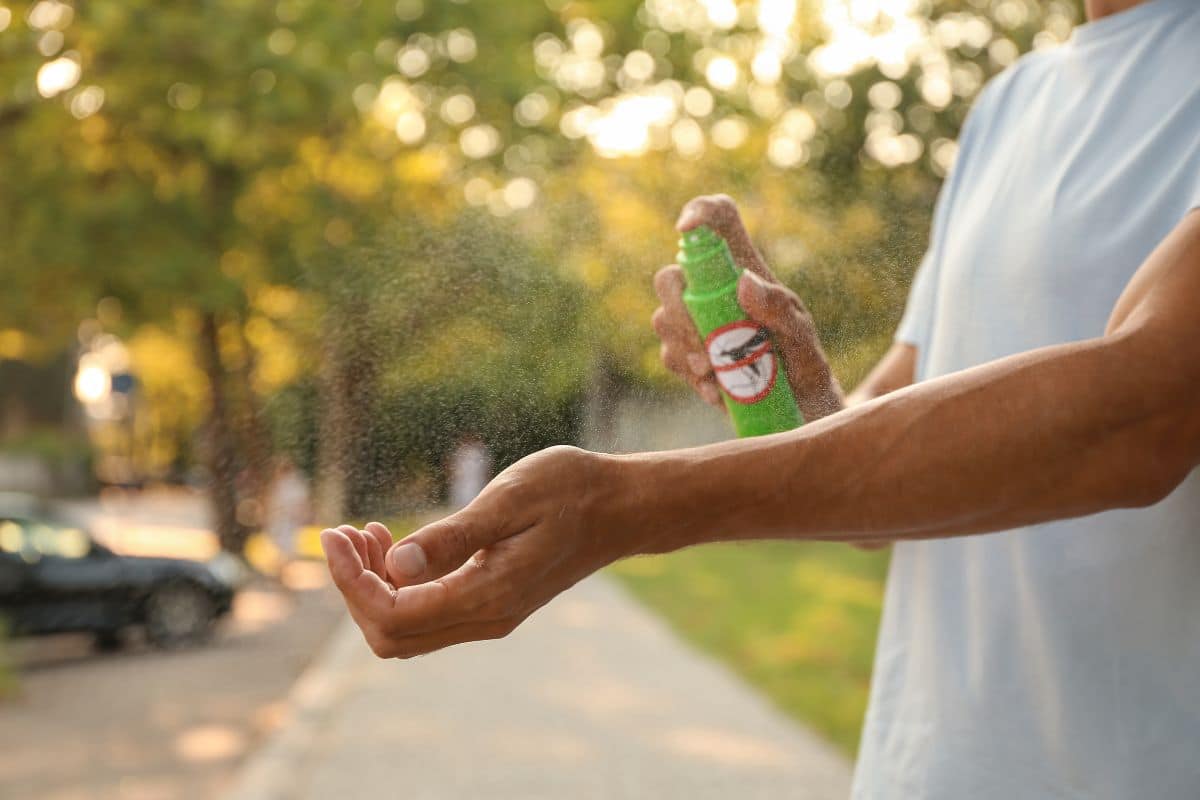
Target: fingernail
(408,560)
(686,220)
(698,363)
(710,394)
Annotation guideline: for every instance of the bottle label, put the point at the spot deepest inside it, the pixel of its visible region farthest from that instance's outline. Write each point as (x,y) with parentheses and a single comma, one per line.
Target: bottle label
(743,360)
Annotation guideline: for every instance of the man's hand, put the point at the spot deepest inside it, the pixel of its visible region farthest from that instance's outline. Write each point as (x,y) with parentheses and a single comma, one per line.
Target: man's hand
(764,299)
(538,528)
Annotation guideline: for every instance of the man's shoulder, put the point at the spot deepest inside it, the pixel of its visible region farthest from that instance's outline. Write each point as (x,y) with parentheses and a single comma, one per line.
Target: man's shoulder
(1001,96)
(1024,73)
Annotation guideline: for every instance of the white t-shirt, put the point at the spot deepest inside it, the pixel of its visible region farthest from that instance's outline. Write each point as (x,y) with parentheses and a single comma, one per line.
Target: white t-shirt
(1059,660)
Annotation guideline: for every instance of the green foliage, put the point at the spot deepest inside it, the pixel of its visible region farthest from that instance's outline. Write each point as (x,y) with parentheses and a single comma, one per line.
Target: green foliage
(52,445)
(8,674)
(475,333)
(796,620)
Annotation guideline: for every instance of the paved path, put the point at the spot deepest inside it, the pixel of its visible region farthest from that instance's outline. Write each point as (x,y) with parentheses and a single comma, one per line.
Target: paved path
(591,698)
(143,724)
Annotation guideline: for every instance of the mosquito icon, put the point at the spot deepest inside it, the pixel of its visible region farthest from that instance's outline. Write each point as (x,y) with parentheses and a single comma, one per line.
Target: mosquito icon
(740,352)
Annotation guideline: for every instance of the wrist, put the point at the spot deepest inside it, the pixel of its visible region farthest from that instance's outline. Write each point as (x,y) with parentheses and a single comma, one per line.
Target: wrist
(648,509)
(735,490)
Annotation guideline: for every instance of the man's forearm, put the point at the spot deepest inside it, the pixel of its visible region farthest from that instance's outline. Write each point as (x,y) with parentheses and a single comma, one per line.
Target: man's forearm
(1059,432)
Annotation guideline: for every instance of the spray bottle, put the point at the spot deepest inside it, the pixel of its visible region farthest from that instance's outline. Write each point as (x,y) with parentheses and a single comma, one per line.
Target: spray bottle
(748,370)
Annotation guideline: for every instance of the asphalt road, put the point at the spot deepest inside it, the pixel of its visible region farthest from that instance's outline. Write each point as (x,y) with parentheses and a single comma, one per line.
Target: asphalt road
(143,723)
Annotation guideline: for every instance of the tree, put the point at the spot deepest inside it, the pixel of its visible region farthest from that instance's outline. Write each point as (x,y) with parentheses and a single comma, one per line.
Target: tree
(200,155)
(198,164)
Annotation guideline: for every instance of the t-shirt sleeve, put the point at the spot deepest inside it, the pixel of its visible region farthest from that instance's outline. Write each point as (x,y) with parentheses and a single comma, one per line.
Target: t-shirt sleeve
(918,311)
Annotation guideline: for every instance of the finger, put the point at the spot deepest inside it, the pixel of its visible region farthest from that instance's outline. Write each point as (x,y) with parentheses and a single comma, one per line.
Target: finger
(672,321)
(487,588)
(674,324)
(771,304)
(378,541)
(709,392)
(443,546)
(359,541)
(494,585)
(375,554)
(712,210)
(675,359)
(382,535)
(686,365)
(720,212)
(426,643)
(699,364)
(384,613)
(365,592)
(689,363)
(669,284)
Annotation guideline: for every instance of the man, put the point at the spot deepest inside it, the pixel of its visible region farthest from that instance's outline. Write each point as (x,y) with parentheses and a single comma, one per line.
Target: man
(1053,345)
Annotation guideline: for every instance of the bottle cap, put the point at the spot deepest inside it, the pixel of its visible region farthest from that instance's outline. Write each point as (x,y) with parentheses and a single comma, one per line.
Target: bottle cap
(705,259)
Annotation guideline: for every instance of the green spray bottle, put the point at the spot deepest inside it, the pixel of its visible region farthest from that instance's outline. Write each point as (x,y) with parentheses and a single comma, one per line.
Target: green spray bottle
(748,370)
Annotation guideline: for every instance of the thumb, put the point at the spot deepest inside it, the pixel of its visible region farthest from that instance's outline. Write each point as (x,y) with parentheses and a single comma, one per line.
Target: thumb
(438,548)
(768,303)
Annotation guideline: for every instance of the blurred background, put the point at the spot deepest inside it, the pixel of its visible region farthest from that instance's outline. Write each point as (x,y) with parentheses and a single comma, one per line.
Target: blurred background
(268,266)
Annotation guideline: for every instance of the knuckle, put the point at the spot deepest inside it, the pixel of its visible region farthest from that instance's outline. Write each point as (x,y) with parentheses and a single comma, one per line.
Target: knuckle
(527,482)
(722,202)
(787,294)
(659,321)
(563,452)
(668,282)
(722,211)
(452,541)
(380,646)
(780,298)
(386,629)
(671,358)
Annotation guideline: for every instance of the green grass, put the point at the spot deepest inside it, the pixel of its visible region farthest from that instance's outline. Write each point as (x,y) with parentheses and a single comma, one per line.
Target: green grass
(798,621)
(8,675)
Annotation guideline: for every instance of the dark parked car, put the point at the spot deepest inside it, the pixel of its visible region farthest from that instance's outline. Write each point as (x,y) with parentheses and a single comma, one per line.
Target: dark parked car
(55,578)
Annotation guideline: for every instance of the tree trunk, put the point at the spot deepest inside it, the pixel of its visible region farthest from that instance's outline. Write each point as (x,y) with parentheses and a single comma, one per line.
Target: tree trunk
(221,451)
(348,376)
(257,449)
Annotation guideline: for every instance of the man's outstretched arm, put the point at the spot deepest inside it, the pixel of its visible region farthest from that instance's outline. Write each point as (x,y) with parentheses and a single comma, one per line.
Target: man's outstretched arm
(1057,432)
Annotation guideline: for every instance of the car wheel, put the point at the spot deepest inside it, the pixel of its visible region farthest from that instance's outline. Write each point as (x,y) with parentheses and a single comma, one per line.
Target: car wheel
(178,614)
(108,641)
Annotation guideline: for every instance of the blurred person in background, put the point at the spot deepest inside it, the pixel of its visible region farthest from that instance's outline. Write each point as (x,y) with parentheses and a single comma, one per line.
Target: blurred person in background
(288,507)
(1042,389)
(469,469)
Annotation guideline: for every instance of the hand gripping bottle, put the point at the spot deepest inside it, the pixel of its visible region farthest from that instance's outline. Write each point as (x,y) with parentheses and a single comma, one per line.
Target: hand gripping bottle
(750,373)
